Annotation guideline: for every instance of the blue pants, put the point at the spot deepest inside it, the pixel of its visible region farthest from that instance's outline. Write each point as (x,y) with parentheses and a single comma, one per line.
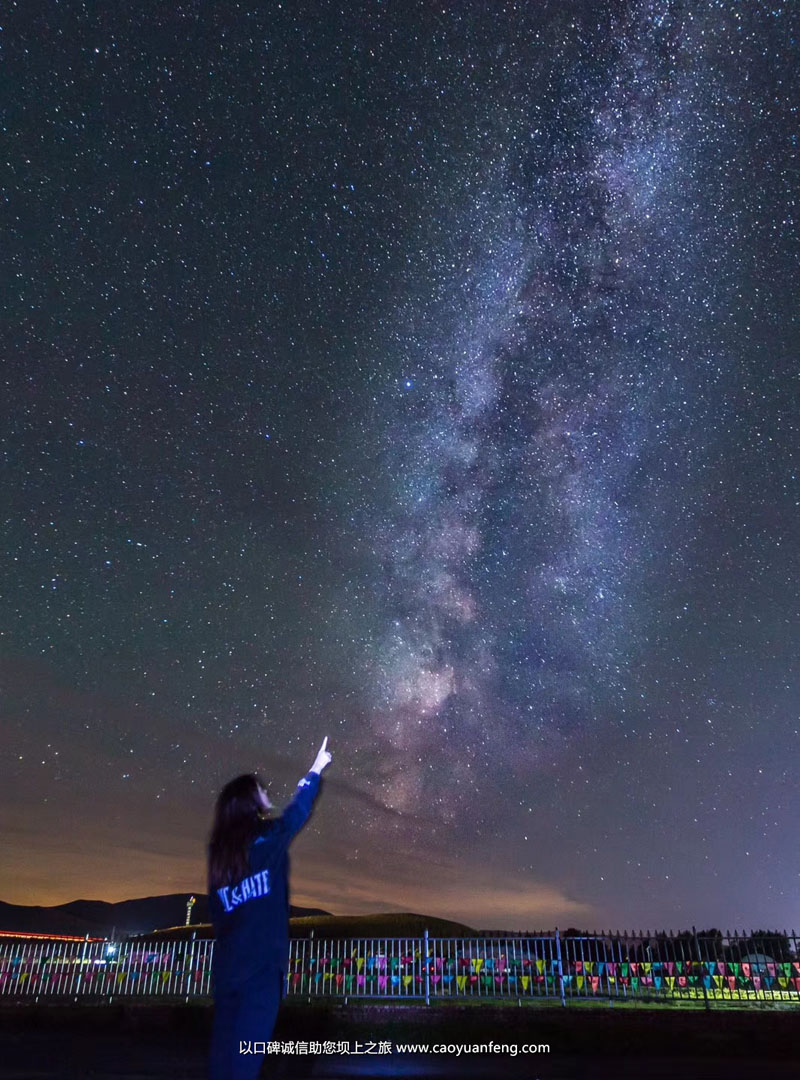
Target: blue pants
(244,1015)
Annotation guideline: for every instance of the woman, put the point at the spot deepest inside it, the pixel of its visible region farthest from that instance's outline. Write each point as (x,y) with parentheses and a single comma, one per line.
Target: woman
(248,895)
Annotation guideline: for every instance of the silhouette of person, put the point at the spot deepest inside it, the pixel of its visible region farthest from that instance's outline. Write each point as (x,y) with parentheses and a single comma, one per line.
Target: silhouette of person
(248,887)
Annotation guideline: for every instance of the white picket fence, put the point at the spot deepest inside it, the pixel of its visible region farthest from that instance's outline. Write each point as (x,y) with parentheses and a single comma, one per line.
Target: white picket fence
(734,968)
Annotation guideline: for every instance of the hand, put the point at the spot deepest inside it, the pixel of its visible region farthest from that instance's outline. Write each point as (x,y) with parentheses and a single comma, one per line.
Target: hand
(322,759)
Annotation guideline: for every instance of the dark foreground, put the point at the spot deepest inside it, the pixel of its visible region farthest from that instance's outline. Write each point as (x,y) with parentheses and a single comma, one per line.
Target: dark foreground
(138,1042)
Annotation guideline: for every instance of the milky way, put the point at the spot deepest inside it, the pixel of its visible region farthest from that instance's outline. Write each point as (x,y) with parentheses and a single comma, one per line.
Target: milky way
(518,559)
(425,379)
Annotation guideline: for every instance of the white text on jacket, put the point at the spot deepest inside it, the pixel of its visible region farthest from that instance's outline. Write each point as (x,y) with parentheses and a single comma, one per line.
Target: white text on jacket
(248,889)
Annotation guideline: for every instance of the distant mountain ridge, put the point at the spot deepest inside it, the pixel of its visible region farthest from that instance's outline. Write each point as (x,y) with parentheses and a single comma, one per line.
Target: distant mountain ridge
(98,918)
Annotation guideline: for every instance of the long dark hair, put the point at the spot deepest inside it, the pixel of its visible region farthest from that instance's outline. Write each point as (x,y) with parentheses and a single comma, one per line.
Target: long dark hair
(238,817)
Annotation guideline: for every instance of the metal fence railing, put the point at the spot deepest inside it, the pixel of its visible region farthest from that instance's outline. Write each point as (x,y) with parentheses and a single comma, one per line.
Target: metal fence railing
(704,968)
(82,969)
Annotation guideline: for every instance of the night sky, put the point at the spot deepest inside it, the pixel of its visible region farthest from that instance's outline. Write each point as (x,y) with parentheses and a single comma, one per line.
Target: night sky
(424,376)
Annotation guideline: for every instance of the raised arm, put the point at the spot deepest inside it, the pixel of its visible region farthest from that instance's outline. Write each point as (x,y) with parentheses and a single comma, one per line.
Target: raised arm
(298,811)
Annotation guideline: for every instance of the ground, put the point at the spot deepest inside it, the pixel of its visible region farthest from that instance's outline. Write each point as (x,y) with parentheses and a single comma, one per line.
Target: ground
(149,1042)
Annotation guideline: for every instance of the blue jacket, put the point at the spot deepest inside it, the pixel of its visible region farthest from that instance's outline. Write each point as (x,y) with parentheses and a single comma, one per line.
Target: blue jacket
(251,916)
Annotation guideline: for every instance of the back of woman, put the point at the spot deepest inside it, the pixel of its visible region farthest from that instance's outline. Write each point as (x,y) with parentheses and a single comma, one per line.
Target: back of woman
(248,886)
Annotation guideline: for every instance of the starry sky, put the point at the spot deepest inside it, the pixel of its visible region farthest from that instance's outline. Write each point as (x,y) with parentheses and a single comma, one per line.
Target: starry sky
(424,376)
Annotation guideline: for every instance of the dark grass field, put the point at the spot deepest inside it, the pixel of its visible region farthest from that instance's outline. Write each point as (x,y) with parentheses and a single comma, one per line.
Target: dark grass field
(146,1041)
